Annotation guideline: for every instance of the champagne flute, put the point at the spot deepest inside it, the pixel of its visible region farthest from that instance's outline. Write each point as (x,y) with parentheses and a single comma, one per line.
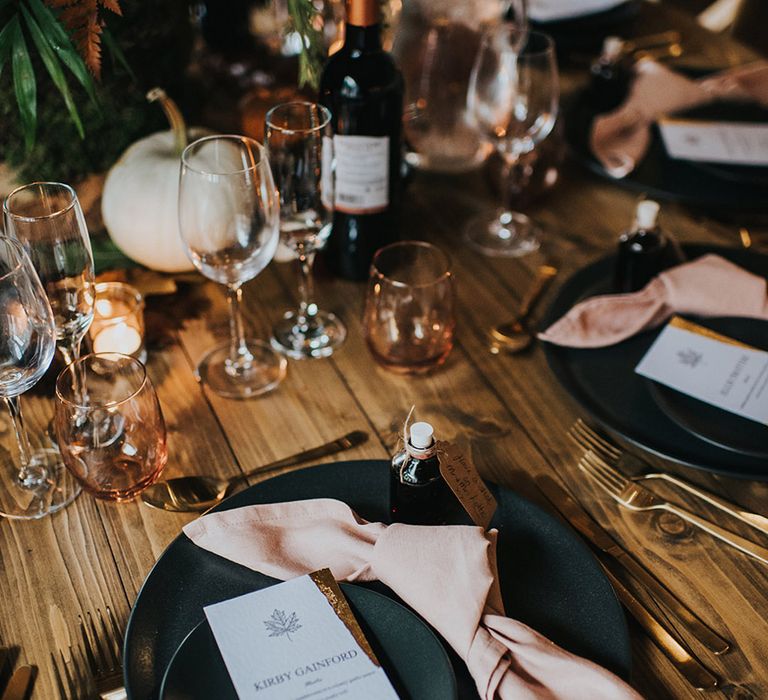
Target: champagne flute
(229,224)
(513,98)
(41,485)
(47,219)
(300,147)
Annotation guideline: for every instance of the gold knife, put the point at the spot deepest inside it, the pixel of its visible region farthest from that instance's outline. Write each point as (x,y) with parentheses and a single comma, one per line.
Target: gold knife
(19,684)
(689,666)
(595,534)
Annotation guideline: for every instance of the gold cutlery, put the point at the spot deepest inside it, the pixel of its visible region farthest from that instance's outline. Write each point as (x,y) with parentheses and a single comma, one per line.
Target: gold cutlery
(19,685)
(683,660)
(636,497)
(186,494)
(652,41)
(589,439)
(515,335)
(102,642)
(599,538)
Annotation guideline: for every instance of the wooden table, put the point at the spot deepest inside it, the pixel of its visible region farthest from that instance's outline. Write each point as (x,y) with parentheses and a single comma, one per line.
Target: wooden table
(508,411)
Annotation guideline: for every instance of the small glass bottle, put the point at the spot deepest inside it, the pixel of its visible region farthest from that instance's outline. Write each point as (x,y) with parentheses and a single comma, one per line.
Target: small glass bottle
(644,251)
(610,77)
(418,494)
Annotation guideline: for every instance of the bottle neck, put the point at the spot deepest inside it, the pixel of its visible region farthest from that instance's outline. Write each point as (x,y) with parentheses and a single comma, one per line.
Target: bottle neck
(357,38)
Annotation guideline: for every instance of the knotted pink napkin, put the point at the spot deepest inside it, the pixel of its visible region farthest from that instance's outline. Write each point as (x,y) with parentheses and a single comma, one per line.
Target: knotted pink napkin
(446,573)
(620,138)
(708,286)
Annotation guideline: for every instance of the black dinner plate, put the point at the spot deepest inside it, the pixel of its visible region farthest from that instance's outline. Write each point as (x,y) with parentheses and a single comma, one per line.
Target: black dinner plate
(585,33)
(418,670)
(603,381)
(549,578)
(712,187)
(710,423)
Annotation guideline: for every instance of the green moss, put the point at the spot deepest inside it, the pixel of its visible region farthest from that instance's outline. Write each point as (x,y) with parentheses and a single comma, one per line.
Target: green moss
(155,36)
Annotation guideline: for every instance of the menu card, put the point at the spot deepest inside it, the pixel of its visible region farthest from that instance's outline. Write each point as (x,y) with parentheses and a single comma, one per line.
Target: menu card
(710,367)
(297,640)
(735,143)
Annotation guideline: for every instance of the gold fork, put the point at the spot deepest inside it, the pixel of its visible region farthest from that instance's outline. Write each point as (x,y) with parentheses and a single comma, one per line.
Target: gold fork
(589,439)
(638,498)
(101,642)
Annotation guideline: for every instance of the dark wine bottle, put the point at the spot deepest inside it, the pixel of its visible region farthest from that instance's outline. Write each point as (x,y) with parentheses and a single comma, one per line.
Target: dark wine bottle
(363,89)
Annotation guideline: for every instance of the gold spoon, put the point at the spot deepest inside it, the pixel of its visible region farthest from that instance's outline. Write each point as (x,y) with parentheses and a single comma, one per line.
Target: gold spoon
(515,336)
(197,493)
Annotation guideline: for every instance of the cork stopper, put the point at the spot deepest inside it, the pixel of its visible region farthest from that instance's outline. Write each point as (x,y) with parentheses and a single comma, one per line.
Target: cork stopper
(421,435)
(646,214)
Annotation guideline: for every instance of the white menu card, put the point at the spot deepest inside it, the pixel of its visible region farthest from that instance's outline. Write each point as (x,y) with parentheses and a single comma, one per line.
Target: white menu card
(288,642)
(711,368)
(734,143)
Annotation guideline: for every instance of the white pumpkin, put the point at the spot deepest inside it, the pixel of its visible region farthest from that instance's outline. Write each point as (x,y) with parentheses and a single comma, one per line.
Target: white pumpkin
(139,204)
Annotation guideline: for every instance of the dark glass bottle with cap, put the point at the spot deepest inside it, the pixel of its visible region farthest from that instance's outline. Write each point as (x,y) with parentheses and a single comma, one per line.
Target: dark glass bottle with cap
(644,251)
(610,77)
(418,494)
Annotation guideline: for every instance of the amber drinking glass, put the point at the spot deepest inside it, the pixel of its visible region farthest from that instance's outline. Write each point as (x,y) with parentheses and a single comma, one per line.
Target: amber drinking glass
(112,435)
(409,310)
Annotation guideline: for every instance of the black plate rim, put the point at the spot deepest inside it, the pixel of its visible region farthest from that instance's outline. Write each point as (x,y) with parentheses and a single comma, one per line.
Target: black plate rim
(580,151)
(576,542)
(364,592)
(557,368)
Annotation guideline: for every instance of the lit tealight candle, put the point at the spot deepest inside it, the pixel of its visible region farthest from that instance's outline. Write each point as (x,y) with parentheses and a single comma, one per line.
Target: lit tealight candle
(118,320)
(118,338)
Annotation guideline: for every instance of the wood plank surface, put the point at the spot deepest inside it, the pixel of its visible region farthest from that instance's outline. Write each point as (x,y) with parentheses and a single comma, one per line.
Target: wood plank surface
(507,411)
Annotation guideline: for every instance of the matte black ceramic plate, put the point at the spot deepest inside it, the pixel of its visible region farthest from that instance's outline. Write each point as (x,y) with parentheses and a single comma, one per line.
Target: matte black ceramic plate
(604,384)
(586,32)
(721,428)
(708,186)
(419,669)
(548,577)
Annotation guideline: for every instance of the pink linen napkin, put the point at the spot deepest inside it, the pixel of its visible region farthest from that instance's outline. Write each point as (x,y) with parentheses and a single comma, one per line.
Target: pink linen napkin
(447,573)
(708,286)
(621,138)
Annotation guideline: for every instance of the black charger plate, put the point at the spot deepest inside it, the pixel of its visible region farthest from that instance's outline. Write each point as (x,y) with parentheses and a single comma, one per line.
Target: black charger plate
(586,32)
(549,578)
(713,424)
(711,187)
(419,670)
(604,384)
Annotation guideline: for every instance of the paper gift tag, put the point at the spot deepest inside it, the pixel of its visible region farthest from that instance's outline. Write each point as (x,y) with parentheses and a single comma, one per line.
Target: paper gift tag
(467,485)
(298,639)
(710,367)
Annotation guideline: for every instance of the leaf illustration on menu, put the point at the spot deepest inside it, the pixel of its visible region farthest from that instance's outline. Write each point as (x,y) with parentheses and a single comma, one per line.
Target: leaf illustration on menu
(280,624)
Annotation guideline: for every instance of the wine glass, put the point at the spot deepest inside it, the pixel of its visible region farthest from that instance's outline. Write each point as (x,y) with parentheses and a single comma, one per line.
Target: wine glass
(27,344)
(229,224)
(513,98)
(47,219)
(439,133)
(300,147)
(111,433)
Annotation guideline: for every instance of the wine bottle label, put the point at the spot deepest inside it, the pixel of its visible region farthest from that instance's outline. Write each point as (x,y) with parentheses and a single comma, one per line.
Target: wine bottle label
(362,173)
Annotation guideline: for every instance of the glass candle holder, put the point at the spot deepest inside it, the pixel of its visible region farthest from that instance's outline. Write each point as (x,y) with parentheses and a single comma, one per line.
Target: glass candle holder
(118,320)
(409,316)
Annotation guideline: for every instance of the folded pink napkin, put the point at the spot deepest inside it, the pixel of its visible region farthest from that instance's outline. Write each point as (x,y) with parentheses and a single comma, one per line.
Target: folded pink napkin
(446,573)
(621,138)
(708,286)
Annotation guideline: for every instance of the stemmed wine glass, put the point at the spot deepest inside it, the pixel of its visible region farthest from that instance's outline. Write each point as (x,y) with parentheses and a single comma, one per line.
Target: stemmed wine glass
(513,99)
(47,219)
(300,148)
(228,219)
(27,344)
